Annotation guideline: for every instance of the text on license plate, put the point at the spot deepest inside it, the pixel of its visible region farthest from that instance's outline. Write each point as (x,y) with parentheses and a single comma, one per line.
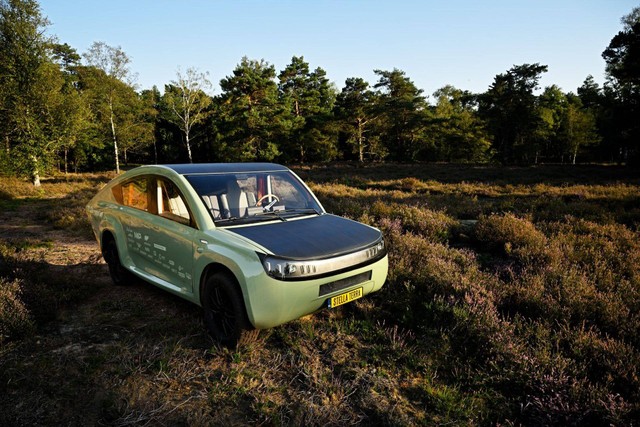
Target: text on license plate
(345,298)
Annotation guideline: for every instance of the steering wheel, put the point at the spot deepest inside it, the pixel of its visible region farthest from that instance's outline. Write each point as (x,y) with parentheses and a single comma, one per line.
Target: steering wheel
(265,196)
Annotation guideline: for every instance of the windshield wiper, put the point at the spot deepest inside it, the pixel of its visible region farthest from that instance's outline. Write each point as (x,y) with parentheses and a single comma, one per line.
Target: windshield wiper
(303,211)
(282,215)
(287,213)
(248,219)
(267,214)
(230,219)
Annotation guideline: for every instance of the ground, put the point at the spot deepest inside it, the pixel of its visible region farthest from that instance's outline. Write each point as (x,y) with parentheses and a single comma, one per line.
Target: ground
(513,299)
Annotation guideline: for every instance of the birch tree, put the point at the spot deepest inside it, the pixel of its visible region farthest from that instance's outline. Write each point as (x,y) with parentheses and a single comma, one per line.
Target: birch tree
(188,101)
(578,127)
(115,64)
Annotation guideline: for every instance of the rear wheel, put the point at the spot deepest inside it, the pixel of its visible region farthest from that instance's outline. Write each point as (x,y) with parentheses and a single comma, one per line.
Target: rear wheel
(225,316)
(119,274)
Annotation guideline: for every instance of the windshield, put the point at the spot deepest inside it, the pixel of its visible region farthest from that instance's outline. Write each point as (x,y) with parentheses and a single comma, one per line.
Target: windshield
(234,198)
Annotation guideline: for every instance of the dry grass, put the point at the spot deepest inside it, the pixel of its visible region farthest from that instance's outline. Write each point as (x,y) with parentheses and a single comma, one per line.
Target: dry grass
(15,319)
(529,316)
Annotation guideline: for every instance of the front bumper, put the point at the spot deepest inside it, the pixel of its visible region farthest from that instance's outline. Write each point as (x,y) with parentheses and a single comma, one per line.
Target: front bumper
(271,302)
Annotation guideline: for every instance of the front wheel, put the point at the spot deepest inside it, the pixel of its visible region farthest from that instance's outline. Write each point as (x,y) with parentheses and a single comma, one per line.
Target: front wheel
(224,313)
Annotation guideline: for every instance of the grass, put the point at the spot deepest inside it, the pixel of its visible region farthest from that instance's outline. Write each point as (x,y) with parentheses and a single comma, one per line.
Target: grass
(513,298)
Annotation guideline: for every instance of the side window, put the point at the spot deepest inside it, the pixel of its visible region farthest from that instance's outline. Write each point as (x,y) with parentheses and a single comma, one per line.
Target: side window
(288,194)
(134,193)
(171,204)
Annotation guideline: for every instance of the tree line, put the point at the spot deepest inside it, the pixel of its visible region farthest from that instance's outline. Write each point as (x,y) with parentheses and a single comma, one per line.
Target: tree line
(60,109)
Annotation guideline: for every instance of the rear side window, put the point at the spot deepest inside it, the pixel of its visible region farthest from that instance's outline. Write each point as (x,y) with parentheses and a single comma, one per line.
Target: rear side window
(156,195)
(135,194)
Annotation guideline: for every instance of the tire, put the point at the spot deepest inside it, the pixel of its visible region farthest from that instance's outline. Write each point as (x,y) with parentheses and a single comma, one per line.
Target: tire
(119,275)
(225,316)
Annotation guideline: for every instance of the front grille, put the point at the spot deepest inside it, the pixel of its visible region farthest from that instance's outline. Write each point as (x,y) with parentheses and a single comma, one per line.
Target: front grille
(341,284)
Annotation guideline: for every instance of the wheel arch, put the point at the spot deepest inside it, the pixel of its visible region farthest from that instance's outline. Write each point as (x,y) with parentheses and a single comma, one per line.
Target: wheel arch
(106,236)
(215,268)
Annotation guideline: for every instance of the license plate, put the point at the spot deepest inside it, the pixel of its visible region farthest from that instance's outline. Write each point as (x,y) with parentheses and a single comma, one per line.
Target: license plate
(345,298)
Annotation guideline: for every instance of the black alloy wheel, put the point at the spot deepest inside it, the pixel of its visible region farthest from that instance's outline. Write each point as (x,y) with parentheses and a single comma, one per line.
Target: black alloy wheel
(224,313)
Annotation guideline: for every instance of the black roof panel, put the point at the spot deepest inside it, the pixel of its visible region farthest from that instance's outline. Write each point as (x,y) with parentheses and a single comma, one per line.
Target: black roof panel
(205,168)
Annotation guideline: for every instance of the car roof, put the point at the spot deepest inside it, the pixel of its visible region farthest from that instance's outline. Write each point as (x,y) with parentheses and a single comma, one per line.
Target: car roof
(207,168)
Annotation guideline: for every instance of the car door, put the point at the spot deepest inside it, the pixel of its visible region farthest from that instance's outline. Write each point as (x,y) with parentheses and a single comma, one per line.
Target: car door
(137,210)
(171,237)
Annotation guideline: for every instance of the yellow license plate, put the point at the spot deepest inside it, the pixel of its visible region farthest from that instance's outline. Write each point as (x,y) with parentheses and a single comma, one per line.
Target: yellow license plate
(345,298)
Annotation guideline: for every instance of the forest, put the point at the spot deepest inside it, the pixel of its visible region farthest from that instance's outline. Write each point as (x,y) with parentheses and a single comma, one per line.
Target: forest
(62,110)
(511,217)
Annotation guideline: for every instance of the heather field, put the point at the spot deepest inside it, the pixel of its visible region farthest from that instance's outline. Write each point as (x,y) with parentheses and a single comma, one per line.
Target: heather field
(513,299)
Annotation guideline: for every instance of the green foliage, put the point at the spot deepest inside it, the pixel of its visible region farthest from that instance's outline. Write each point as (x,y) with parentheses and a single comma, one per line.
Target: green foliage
(188,103)
(403,113)
(53,110)
(458,134)
(118,110)
(249,115)
(355,112)
(623,66)
(309,98)
(623,53)
(31,87)
(510,110)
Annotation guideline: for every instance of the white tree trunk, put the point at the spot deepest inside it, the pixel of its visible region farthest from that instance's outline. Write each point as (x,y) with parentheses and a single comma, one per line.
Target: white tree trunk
(35,174)
(360,142)
(113,134)
(186,137)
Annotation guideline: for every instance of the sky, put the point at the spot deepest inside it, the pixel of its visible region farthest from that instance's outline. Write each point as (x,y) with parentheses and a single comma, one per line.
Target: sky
(464,43)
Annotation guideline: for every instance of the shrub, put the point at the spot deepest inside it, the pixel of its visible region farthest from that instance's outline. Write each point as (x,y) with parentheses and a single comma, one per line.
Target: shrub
(15,321)
(72,215)
(610,253)
(514,237)
(433,284)
(424,222)
(603,359)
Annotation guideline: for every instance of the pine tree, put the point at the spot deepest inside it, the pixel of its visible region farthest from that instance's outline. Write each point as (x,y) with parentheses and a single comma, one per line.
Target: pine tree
(355,113)
(308,98)
(248,113)
(403,115)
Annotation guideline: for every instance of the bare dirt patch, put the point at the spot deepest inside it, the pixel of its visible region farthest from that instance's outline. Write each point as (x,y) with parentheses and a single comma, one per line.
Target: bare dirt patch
(86,327)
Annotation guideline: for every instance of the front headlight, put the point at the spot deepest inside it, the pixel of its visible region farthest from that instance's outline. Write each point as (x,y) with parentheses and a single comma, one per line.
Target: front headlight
(288,269)
(282,269)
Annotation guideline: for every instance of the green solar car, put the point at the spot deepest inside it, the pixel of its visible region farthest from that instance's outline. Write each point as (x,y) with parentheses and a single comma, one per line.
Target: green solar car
(248,242)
